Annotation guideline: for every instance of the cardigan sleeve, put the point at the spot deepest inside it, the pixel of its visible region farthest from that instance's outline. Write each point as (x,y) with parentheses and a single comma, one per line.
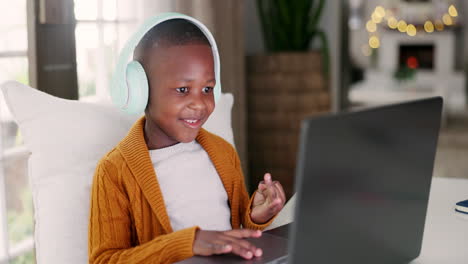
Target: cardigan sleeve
(246,202)
(110,236)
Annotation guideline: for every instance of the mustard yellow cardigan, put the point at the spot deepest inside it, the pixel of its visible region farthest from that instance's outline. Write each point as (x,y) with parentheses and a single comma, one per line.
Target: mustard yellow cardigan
(128,219)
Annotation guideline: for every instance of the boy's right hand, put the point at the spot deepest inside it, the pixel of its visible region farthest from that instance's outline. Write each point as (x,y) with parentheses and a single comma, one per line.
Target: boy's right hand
(216,242)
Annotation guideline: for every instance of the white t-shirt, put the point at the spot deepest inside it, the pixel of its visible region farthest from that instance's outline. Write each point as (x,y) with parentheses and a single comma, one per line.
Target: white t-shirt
(193,192)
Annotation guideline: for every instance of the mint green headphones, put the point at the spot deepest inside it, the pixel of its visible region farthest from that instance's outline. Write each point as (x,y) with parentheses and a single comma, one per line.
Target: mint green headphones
(129,88)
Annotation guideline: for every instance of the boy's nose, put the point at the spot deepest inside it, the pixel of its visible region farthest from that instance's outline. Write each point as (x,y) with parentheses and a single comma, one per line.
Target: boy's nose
(197,103)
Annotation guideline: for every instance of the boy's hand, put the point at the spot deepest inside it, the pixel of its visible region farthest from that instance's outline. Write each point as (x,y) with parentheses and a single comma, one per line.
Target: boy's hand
(268,201)
(216,242)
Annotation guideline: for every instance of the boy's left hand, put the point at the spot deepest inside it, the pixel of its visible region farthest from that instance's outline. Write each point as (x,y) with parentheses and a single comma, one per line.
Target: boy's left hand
(268,201)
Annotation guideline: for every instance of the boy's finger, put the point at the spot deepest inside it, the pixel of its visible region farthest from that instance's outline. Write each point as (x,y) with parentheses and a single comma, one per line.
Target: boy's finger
(221,247)
(275,202)
(245,250)
(243,244)
(280,190)
(244,233)
(272,192)
(267,178)
(262,187)
(275,207)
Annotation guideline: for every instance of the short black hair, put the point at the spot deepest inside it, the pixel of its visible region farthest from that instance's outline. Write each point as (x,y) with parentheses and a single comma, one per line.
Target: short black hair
(173,32)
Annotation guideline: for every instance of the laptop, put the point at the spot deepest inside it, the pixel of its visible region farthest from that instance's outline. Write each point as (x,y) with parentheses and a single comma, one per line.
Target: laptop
(363,181)
(362,186)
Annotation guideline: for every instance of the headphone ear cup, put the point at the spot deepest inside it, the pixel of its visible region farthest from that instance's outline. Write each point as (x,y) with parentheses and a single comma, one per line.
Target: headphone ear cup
(138,88)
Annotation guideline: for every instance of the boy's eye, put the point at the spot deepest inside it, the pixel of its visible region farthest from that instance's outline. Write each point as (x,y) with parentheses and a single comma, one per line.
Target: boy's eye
(207,89)
(182,89)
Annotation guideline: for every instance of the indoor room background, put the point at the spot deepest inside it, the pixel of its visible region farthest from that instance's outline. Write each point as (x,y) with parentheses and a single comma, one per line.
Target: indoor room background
(360,53)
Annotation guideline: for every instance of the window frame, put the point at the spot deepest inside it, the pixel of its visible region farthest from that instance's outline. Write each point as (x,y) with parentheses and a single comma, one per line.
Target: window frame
(102,82)
(8,253)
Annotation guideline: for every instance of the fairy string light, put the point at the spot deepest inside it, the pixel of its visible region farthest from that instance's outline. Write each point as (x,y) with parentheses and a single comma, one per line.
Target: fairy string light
(380,14)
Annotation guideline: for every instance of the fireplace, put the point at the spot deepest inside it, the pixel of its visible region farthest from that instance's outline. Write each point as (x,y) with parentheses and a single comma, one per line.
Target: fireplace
(416,56)
(435,53)
(431,55)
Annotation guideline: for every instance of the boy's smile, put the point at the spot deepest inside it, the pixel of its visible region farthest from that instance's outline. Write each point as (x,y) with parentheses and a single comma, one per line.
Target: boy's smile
(181,80)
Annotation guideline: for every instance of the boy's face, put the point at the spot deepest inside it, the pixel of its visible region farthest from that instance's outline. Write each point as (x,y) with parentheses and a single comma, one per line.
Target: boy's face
(181,80)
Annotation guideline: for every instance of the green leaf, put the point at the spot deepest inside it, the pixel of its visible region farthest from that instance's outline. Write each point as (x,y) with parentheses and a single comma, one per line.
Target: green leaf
(289,24)
(316,16)
(265,19)
(302,23)
(284,10)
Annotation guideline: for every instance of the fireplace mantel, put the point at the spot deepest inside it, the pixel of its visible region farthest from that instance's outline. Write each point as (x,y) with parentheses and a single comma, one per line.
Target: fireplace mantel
(380,87)
(444,50)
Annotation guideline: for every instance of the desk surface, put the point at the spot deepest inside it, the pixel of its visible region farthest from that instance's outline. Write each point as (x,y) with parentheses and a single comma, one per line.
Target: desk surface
(445,237)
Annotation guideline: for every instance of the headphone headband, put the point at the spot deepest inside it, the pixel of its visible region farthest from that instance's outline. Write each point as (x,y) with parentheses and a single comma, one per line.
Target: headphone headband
(120,90)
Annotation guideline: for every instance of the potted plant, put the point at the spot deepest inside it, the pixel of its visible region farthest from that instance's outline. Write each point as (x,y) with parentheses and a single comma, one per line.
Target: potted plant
(285,85)
(291,25)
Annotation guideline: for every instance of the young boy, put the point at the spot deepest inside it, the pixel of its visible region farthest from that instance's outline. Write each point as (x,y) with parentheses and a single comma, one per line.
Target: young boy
(170,189)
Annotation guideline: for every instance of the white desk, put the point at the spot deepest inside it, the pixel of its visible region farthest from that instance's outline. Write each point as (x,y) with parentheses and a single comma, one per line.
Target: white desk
(445,238)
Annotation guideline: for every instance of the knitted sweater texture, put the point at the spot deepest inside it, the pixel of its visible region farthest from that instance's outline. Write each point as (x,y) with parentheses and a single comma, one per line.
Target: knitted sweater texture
(128,219)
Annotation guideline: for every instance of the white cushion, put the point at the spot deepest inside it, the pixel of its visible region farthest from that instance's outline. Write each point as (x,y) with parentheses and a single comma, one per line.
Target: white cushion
(67,138)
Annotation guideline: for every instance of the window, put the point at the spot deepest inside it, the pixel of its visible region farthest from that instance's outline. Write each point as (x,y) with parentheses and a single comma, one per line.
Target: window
(102,28)
(16,210)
